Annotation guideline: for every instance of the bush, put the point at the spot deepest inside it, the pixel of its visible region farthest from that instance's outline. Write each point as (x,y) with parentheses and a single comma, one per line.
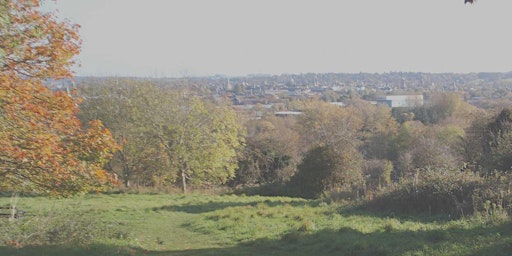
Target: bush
(493,200)
(269,189)
(323,169)
(448,192)
(432,192)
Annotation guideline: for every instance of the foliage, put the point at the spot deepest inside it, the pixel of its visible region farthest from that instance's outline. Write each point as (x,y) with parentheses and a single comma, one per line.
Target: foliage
(122,105)
(439,191)
(473,142)
(168,135)
(324,169)
(378,130)
(420,146)
(272,152)
(432,192)
(440,107)
(377,174)
(498,148)
(333,136)
(323,124)
(43,146)
(201,139)
(34,44)
(488,142)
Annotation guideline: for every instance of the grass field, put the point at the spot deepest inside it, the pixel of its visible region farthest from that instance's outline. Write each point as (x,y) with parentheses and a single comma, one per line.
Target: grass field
(161,224)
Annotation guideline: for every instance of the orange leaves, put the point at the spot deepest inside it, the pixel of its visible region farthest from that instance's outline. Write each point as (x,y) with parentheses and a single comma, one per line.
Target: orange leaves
(43,147)
(35,44)
(96,144)
(43,142)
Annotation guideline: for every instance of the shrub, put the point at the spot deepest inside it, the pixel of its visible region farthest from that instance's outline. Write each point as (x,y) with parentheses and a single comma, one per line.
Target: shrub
(324,168)
(432,192)
(448,192)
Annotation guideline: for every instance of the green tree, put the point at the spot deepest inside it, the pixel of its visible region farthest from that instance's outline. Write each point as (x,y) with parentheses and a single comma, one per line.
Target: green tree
(122,105)
(201,139)
(168,135)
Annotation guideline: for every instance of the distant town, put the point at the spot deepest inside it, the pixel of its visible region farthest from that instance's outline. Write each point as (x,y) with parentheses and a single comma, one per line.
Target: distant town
(395,89)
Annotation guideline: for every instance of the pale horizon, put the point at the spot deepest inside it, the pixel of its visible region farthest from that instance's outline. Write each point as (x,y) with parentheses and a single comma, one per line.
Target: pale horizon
(159,38)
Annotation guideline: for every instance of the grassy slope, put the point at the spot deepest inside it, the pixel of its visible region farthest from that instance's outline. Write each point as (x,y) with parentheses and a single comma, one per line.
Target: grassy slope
(232,225)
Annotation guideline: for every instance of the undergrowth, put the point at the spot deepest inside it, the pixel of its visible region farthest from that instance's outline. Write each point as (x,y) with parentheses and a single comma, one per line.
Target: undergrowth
(64,226)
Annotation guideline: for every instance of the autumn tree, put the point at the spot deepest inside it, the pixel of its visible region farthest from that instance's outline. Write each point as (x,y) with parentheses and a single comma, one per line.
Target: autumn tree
(442,108)
(422,147)
(326,124)
(378,130)
(332,134)
(272,152)
(43,146)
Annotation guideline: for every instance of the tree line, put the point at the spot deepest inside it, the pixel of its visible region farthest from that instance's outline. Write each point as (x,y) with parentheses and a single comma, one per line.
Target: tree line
(166,136)
(171,136)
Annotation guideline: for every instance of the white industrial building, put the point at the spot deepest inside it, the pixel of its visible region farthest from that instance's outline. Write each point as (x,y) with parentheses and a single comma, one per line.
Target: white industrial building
(395,101)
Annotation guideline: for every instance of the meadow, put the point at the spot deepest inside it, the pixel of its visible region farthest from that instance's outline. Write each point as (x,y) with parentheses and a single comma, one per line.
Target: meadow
(163,224)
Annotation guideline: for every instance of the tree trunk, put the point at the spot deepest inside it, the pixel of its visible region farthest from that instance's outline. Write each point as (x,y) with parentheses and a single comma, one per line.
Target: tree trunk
(14,202)
(184,182)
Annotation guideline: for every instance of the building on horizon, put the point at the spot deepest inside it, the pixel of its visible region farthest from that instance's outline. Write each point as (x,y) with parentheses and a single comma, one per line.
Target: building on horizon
(396,101)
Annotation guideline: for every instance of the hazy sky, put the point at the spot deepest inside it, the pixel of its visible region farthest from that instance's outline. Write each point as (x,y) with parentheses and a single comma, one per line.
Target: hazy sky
(238,37)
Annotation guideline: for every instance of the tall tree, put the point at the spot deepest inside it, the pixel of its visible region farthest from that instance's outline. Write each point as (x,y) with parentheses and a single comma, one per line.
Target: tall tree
(168,135)
(333,134)
(122,105)
(497,143)
(323,124)
(378,129)
(43,147)
(201,138)
(272,152)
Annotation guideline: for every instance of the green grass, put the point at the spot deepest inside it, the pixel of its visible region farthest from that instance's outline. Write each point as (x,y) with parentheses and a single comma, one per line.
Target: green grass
(161,224)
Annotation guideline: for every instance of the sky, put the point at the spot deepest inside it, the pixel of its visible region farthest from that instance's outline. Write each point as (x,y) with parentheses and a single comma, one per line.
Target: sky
(176,38)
